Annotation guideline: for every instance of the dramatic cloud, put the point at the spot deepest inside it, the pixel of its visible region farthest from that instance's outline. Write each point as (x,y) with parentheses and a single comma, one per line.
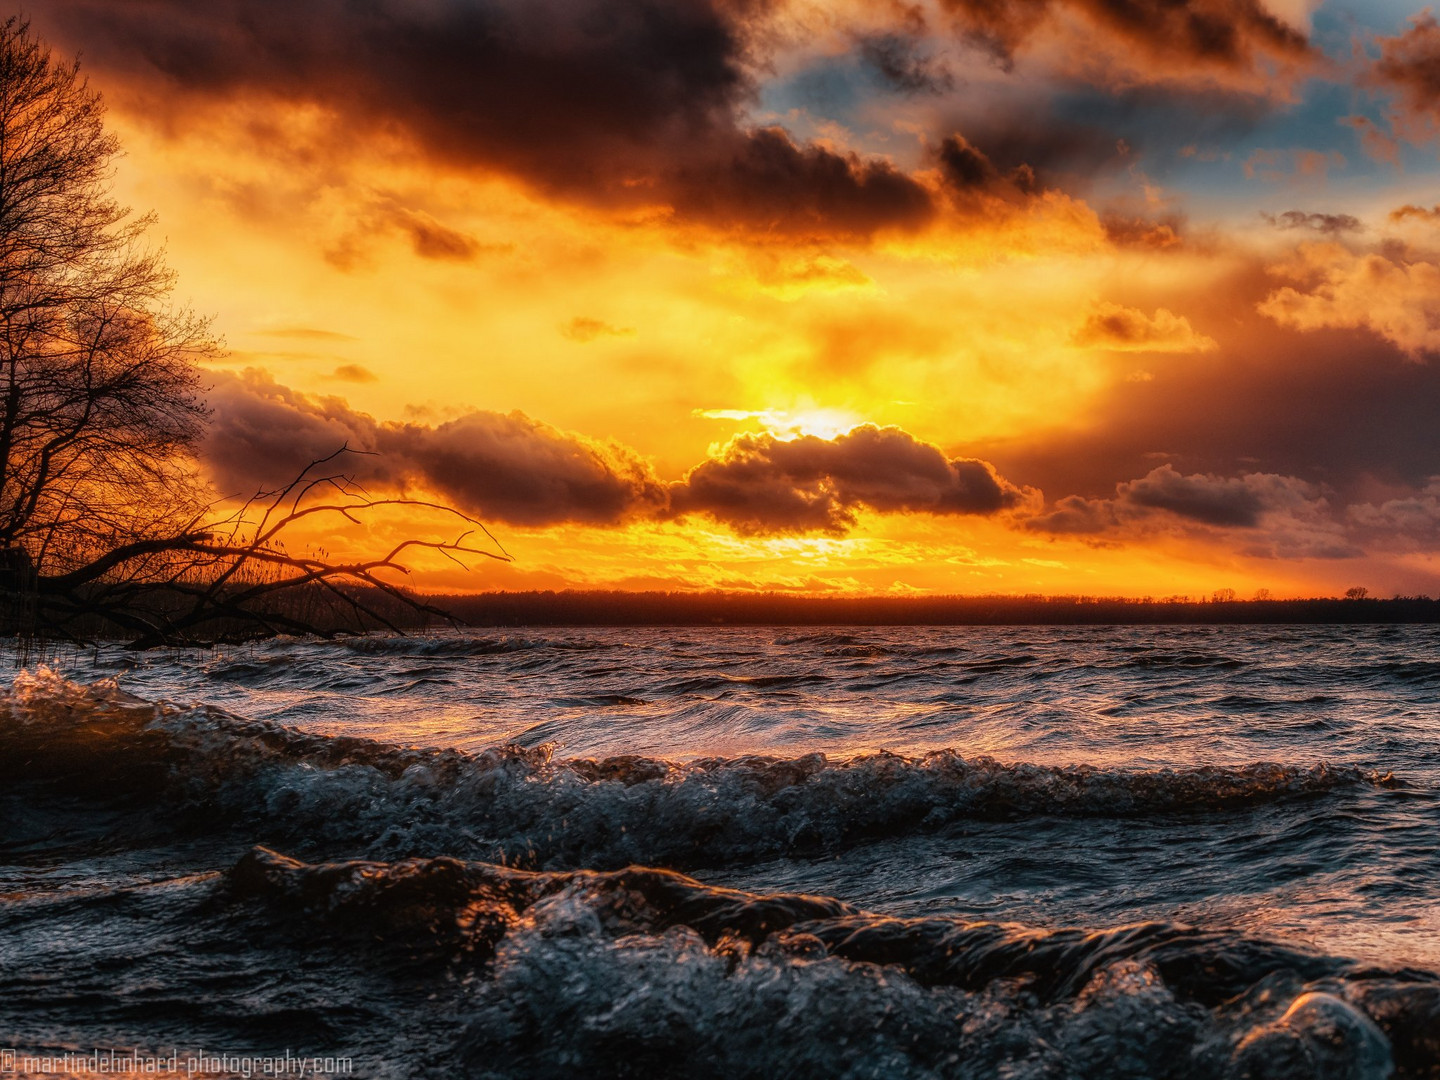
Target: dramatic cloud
(1398,300)
(970,174)
(1123,329)
(501,467)
(617,102)
(1337,405)
(262,434)
(510,468)
(1409,65)
(1075,515)
(900,60)
(770,184)
(1173,39)
(762,484)
(1273,516)
(1215,500)
(1226,502)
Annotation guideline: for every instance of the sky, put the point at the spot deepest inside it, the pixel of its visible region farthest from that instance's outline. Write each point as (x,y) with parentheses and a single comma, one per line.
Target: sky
(1095,297)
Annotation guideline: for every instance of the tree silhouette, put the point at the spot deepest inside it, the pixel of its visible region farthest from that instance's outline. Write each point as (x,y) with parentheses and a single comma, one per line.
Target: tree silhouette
(99,399)
(105,520)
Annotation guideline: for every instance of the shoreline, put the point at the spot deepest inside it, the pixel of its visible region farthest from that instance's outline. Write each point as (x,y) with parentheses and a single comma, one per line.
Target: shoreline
(614,608)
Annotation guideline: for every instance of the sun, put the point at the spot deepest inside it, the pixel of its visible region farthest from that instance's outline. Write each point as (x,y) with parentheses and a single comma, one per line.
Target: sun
(786,424)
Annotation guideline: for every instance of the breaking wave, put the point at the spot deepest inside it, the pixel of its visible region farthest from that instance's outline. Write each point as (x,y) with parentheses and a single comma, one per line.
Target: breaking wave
(522,806)
(638,970)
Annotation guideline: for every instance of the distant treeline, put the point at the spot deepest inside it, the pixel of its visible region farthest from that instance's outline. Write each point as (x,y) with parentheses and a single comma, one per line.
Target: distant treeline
(770,609)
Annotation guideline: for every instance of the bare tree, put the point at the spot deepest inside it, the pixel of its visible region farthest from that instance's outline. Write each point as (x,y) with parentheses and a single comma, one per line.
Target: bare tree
(98,385)
(105,520)
(233,577)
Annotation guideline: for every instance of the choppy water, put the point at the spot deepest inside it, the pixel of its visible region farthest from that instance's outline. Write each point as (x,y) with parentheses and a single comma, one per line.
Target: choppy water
(1020,852)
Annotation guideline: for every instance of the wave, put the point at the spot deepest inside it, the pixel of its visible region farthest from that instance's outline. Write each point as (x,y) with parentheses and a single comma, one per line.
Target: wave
(1186,660)
(449,645)
(205,767)
(636,970)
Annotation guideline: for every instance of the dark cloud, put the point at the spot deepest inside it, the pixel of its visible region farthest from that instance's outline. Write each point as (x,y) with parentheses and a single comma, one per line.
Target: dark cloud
(1266,515)
(1211,500)
(1409,522)
(1338,407)
(1075,515)
(615,102)
(1155,233)
(1236,502)
(1409,64)
(964,166)
(899,59)
(761,484)
(1231,502)
(1328,224)
(1222,34)
(510,468)
(769,183)
(1081,138)
(507,467)
(1060,150)
(262,434)
(503,467)
(1005,151)
(974,182)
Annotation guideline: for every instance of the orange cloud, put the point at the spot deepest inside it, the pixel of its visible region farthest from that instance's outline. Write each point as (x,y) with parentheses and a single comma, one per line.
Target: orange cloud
(1411,212)
(1377,144)
(762,484)
(1268,515)
(1237,42)
(630,106)
(510,468)
(1394,298)
(354,373)
(1409,65)
(1409,522)
(1122,329)
(1292,166)
(1156,234)
(505,467)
